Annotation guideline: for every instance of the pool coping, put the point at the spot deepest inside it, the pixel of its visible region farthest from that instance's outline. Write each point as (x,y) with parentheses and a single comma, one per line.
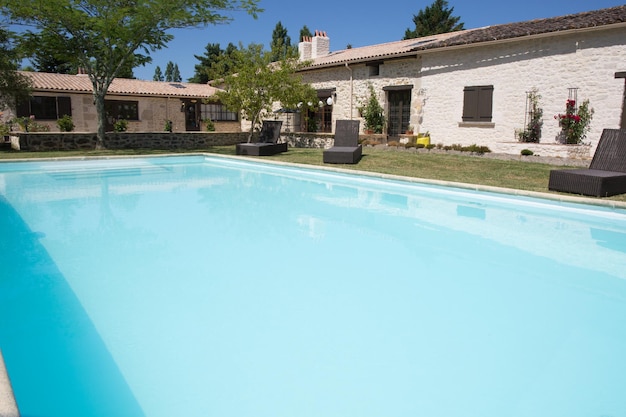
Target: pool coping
(560,198)
(8,405)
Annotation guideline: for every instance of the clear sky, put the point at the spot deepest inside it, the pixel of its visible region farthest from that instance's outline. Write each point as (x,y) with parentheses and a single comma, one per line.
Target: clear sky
(354,22)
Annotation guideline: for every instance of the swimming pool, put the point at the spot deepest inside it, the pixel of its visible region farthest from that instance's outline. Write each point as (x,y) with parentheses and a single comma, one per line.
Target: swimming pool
(207,286)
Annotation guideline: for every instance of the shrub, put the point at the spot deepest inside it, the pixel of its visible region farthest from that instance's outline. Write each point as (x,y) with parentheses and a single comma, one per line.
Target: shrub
(476,149)
(210,127)
(575,122)
(65,123)
(532,131)
(168,126)
(373,113)
(120,125)
(410,145)
(527,152)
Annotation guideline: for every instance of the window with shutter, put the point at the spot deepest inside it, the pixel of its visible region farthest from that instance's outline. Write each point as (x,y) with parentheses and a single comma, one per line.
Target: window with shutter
(478,103)
(64,106)
(45,107)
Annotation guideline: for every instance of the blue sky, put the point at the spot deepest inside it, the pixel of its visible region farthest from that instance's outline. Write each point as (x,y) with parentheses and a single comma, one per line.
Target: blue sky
(355,22)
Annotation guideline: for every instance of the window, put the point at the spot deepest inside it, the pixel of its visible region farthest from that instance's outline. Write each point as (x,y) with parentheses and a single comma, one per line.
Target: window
(118,109)
(373,68)
(45,107)
(478,103)
(217,112)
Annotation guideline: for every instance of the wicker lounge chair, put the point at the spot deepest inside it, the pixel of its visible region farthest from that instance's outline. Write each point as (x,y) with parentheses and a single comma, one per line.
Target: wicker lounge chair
(606,175)
(267,143)
(346,149)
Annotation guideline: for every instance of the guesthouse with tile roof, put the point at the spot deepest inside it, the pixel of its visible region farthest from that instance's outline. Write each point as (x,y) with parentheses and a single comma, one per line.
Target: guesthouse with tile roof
(145,105)
(471,86)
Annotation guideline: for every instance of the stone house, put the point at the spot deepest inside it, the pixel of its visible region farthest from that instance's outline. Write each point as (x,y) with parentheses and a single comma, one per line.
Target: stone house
(470,87)
(146,105)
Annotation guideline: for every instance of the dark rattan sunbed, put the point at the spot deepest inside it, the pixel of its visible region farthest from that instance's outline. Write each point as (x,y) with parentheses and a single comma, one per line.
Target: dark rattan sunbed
(606,175)
(267,143)
(346,148)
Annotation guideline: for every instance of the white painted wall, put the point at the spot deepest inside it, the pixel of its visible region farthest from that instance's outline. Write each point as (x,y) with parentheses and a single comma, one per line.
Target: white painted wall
(587,60)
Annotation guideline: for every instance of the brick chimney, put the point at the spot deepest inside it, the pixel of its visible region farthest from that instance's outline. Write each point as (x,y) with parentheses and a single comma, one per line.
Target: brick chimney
(314,47)
(320,46)
(304,48)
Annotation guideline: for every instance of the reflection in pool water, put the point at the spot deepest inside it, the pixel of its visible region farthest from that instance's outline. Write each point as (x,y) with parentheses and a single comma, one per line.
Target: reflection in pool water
(205,286)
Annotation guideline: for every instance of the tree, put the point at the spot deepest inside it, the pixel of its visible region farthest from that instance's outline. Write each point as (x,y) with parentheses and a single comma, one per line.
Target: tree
(172,74)
(305,33)
(214,65)
(176,74)
(13,85)
(46,58)
(158,75)
(102,36)
(256,84)
(281,43)
(434,19)
(211,52)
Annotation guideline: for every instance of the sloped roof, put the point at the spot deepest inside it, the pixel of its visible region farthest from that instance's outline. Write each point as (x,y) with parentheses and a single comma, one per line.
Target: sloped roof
(579,21)
(42,81)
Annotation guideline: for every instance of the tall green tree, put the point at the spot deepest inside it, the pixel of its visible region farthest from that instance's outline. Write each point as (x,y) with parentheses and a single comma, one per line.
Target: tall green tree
(305,33)
(176,74)
(434,19)
(158,75)
(45,56)
(211,53)
(13,85)
(102,36)
(257,82)
(281,44)
(214,65)
(172,73)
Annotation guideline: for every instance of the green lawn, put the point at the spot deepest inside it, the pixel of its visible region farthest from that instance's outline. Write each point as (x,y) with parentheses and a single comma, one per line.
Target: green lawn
(519,175)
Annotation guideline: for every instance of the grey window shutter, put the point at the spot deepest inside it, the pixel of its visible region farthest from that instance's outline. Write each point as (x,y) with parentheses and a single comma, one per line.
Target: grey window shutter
(485,103)
(470,104)
(64,106)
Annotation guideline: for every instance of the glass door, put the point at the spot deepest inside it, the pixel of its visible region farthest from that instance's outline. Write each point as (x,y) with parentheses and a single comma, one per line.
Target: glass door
(399,112)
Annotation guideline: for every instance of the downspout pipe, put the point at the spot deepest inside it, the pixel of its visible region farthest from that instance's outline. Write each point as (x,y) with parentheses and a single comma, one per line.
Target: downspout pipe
(351,90)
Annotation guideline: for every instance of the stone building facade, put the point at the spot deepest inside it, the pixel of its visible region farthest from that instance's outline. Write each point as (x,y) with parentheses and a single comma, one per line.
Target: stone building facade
(436,78)
(145,105)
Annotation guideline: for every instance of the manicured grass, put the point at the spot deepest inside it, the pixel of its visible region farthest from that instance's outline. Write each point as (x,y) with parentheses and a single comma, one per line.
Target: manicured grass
(519,175)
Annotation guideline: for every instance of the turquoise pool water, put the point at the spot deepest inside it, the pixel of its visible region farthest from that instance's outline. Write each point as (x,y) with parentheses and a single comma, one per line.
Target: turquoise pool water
(193,286)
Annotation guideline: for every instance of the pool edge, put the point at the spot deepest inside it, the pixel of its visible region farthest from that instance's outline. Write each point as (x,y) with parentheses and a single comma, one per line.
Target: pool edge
(466,186)
(8,405)
(561,198)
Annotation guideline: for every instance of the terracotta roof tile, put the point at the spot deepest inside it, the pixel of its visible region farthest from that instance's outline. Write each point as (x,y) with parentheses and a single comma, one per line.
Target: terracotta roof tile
(123,86)
(583,20)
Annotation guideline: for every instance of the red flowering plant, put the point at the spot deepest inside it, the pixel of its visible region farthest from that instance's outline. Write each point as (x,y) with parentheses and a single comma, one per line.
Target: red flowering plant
(575,122)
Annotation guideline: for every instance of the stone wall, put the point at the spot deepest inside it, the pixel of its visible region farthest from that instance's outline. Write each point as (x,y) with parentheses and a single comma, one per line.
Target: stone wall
(587,60)
(58,141)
